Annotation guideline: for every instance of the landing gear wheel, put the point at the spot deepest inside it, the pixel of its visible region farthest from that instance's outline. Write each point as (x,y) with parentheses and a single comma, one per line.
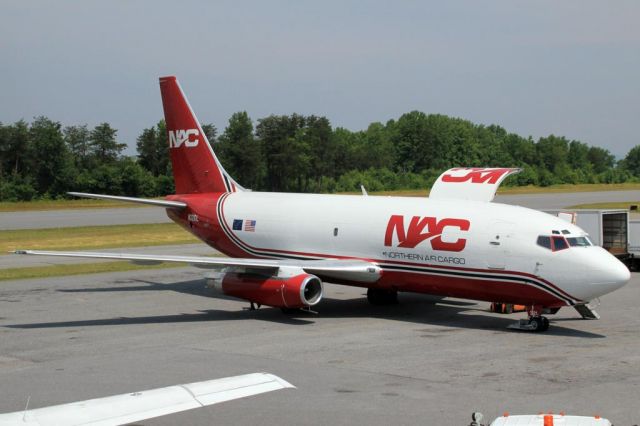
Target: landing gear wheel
(535,323)
(382,296)
(545,323)
(539,324)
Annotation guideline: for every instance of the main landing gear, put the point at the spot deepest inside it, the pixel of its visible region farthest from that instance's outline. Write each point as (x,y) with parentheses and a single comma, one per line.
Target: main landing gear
(382,296)
(536,322)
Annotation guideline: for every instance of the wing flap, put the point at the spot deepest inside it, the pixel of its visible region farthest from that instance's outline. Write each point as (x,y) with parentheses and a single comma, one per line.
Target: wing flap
(470,183)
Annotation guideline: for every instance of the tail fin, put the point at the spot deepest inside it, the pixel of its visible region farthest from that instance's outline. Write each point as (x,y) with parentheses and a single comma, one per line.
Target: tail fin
(195,167)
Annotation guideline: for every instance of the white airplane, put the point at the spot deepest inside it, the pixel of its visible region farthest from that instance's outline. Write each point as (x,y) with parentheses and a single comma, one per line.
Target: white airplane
(136,406)
(456,242)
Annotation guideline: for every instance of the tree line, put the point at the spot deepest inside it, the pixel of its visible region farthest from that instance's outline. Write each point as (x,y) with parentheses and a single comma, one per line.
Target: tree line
(294,153)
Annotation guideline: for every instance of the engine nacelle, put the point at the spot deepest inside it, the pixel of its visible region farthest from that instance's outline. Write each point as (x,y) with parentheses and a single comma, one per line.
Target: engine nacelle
(295,292)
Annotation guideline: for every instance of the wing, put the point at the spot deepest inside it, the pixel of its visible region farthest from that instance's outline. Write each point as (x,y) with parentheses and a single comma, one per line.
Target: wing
(470,183)
(348,269)
(133,407)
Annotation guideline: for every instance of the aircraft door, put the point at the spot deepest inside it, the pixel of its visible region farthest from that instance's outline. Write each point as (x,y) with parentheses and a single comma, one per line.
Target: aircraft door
(499,241)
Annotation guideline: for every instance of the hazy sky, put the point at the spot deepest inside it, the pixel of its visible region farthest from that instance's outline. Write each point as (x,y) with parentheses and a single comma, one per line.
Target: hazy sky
(570,68)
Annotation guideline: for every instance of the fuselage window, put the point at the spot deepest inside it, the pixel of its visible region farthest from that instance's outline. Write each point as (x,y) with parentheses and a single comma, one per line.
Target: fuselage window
(579,241)
(544,242)
(559,243)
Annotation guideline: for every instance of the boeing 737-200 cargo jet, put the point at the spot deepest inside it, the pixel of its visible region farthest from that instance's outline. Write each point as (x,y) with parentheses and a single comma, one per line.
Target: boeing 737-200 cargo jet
(282,247)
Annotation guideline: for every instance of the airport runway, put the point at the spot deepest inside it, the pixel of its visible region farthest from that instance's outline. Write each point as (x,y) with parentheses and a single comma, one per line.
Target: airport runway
(424,361)
(123,216)
(81,217)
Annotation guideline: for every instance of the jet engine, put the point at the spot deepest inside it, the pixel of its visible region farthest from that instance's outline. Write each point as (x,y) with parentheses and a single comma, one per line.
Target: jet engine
(294,292)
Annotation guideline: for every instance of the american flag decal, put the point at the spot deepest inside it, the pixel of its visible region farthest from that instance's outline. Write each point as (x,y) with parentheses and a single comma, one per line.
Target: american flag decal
(250,225)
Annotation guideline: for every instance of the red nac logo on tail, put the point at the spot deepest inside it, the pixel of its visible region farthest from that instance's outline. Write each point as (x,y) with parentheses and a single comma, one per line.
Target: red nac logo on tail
(416,233)
(187,137)
(475,175)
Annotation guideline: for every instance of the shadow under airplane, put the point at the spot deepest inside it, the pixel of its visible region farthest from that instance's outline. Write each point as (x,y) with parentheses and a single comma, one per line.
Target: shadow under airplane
(413,308)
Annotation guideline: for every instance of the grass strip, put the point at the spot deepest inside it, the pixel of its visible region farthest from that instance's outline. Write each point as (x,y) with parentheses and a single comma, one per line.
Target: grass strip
(613,205)
(77,269)
(94,237)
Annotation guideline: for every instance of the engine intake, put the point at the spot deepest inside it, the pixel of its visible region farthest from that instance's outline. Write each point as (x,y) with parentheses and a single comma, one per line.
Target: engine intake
(299,291)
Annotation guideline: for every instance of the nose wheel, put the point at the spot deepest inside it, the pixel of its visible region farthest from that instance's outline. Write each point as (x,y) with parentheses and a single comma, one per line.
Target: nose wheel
(536,322)
(539,323)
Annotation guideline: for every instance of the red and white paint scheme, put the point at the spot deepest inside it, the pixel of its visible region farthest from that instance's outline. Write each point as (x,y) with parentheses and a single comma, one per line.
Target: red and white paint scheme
(456,242)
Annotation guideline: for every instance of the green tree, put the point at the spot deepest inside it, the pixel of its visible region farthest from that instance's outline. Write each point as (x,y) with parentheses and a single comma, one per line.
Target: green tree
(284,154)
(54,170)
(153,149)
(210,132)
(135,180)
(601,159)
(317,135)
(77,139)
(552,152)
(17,149)
(105,148)
(632,161)
(240,153)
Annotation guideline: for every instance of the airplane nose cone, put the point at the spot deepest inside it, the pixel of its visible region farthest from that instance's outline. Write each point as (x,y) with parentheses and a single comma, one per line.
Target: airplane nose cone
(609,275)
(620,276)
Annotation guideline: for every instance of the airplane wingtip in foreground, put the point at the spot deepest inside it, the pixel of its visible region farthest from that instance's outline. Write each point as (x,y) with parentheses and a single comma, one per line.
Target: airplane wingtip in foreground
(137,406)
(455,243)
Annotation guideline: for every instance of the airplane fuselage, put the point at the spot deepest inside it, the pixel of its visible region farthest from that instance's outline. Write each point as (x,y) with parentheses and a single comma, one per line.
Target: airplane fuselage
(475,250)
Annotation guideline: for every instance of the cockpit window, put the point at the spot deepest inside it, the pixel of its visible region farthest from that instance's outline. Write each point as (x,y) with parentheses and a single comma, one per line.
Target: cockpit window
(544,242)
(555,232)
(579,242)
(565,232)
(559,243)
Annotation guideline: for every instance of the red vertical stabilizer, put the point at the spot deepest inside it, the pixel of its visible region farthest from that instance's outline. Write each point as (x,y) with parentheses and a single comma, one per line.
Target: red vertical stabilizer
(195,167)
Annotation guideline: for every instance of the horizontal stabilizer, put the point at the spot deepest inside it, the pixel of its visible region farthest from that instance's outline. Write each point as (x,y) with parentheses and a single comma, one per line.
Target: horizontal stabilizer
(137,406)
(159,203)
(470,183)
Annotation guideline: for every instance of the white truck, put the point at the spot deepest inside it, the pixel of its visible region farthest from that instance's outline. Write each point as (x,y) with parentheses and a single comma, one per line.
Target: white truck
(541,420)
(634,244)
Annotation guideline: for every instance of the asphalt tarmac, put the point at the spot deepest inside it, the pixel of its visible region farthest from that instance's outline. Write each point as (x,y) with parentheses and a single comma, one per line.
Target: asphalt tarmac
(424,361)
(123,216)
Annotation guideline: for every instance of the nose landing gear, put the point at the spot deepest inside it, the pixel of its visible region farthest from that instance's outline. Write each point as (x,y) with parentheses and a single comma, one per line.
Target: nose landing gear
(539,323)
(536,322)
